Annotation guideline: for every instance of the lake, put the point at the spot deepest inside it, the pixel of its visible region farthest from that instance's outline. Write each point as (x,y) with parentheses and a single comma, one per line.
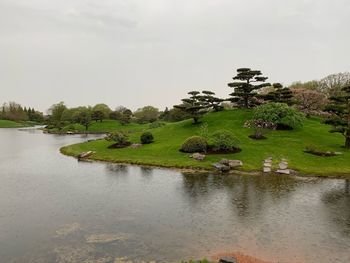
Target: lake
(56,209)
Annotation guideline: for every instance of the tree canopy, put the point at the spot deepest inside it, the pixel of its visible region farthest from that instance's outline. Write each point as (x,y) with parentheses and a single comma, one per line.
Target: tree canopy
(246,84)
(340,118)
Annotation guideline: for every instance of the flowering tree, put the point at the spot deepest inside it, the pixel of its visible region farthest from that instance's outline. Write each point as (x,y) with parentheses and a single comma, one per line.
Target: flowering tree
(260,127)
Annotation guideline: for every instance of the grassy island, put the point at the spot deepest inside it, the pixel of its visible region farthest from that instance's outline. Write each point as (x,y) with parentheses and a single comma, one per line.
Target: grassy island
(288,144)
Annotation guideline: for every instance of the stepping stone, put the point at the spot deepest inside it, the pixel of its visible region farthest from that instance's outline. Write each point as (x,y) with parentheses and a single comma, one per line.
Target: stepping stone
(228,260)
(267,165)
(283,165)
(285,171)
(267,170)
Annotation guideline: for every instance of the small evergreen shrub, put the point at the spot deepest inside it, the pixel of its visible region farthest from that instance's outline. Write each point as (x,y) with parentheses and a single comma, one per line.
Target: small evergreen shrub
(194,144)
(223,140)
(120,139)
(146,138)
(156,124)
(283,116)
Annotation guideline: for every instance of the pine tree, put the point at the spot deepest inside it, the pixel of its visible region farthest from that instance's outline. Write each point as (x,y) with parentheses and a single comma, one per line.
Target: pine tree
(211,101)
(246,84)
(340,119)
(193,105)
(279,94)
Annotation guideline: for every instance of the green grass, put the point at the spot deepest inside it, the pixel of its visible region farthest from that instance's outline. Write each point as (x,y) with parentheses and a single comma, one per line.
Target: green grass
(12,124)
(280,144)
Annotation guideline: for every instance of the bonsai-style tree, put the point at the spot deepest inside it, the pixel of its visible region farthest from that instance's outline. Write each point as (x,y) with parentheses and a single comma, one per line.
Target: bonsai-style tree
(279,94)
(340,119)
(208,98)
(246,84)
(193,106)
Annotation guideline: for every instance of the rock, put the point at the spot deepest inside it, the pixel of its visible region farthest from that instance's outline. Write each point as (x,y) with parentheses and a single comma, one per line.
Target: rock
(283,165)
(85,154)
(285,171)
(198,156)
(104,238)
(225,161)
(268,165)
(267,170)
(235,163)
(69,132)
(221,167)
(64,254)
(67,230)
(135,145)
(338,153)
(228,260)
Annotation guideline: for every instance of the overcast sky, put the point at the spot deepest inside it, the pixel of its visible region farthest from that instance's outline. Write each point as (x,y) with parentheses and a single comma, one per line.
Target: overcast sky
(152,52)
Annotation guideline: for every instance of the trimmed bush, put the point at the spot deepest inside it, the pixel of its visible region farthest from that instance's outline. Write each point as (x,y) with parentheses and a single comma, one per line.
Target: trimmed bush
(223,140)
(283,116)
(146,138)
(156,124)
(194,144)
(120,139)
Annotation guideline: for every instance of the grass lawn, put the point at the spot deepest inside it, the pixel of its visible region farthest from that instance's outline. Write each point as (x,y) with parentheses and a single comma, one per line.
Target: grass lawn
(280,144)
(12,124)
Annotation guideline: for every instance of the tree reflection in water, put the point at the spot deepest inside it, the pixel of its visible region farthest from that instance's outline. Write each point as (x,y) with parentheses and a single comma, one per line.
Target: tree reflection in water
(246,194)
(337,206)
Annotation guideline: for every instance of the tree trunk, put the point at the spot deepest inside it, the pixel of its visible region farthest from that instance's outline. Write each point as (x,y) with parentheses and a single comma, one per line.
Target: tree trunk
(246,104)
(347,142)
(195,120)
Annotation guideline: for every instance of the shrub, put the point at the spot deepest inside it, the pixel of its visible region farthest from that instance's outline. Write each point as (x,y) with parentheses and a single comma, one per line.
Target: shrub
(283,116)
(120,138)
(156,124)
(146,138)
(260,128)
(223,140)
(194,144)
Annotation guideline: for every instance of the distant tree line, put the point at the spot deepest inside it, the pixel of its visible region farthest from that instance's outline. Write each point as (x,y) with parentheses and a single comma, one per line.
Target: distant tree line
(15,112)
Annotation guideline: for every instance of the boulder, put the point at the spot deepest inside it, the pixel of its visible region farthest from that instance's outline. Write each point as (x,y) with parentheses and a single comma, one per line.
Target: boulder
(135,145)
(228,260)
(283,165)
(104,238)
(283,171)
(267,170)
(198,156)
(85,154)
(225,161)
(235,163)
(221,167)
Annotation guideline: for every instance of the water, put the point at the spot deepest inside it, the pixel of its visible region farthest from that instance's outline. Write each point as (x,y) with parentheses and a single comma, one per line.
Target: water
(52,206)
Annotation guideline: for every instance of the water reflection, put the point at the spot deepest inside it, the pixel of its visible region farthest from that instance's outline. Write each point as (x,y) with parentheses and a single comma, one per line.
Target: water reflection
(51,203)
(337,206)
(117,169)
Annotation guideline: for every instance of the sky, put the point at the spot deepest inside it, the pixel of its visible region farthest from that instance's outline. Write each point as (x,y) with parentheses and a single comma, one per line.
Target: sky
(152,52)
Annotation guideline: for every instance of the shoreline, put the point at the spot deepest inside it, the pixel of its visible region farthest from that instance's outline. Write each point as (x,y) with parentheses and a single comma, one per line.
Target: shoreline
(194,170)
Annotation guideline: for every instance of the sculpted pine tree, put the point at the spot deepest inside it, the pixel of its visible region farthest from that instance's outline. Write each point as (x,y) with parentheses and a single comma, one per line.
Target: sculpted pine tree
(246,84)
(340,119)
(193,106)
(279,94)
(208,98)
